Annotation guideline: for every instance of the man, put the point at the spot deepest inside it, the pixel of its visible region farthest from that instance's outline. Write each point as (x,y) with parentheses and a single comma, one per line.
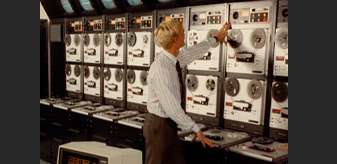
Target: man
(164,100)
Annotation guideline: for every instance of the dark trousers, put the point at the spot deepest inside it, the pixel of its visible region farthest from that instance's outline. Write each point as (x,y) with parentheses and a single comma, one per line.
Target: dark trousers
(162,143)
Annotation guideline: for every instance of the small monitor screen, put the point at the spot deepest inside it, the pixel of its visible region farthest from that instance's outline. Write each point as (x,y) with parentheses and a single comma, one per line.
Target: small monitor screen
(86,5)
(67,6)
(165,1)
(135,2)
(109,4)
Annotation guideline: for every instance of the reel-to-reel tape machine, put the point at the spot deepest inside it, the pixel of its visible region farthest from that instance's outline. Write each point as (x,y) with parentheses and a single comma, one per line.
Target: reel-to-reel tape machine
(92,82)
(202,93)
(140,39)
(93,39)
(74,78)
(205,21)
(279,111)
(114,86)
(249,37)
(281,40)
(137,89)
(244,99)
(73,40)
(115,39)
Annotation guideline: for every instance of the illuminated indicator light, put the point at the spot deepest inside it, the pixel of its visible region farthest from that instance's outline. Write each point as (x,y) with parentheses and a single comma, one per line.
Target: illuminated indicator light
(229,124)
(231,56)
(189,98)
(213,121)
(276,111)
(106,86)
(229,103)
(80,96)
(264,15)
(279,57)
(67,50)
(256,129)
(129,89)
(85,83)
(73,25)
(275,133)
(129,105)
(264,20)
(122,104)
(130,53)
(86,52)
(91,23)
(106,52)
(67,80)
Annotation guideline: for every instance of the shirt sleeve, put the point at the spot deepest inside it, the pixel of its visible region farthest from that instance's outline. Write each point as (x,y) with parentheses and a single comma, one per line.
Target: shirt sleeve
(188,55)
(162,83)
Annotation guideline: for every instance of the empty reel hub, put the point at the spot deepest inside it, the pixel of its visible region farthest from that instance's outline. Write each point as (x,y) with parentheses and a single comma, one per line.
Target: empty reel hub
(191,82)
(234,38)
(258,38)
(232,86)
(106,73)
(279,91)
(193,38)
(118,75)
(130,76)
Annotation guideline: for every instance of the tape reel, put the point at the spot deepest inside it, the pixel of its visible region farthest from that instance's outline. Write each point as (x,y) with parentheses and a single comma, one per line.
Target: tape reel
(107,39)
(191,82)
(234,38)
(254,89)
(232,86)
(282,38)
(68,69)
(130,76)
(279,91)
(96,40)
(118,75)
(96,72)
(132,39)
(211,34)
(86,71)
(143,78)
(68,40)
(86,39)
(262,140)
(210,84)
(77,70)
(119,39)
(106,73)
(258,38)
(193,38)
(77,40)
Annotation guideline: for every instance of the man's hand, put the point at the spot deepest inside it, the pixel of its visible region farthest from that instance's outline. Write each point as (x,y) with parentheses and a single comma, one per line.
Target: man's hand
(203,139)
(221,35)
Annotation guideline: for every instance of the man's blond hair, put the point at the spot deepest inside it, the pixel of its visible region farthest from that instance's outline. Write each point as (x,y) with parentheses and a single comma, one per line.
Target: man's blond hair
(166,31)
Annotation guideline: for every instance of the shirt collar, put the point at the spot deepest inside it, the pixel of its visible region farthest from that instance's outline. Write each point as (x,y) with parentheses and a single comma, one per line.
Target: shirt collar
(170,56)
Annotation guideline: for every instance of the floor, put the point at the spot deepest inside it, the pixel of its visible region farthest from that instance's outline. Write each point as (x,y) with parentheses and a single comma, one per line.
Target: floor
(43,162)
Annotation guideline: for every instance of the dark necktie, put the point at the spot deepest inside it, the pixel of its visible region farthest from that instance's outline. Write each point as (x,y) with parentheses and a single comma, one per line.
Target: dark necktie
(180,80)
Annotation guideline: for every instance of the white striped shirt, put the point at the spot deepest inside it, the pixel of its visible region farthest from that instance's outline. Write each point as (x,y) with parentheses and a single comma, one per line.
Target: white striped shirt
(164,87)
